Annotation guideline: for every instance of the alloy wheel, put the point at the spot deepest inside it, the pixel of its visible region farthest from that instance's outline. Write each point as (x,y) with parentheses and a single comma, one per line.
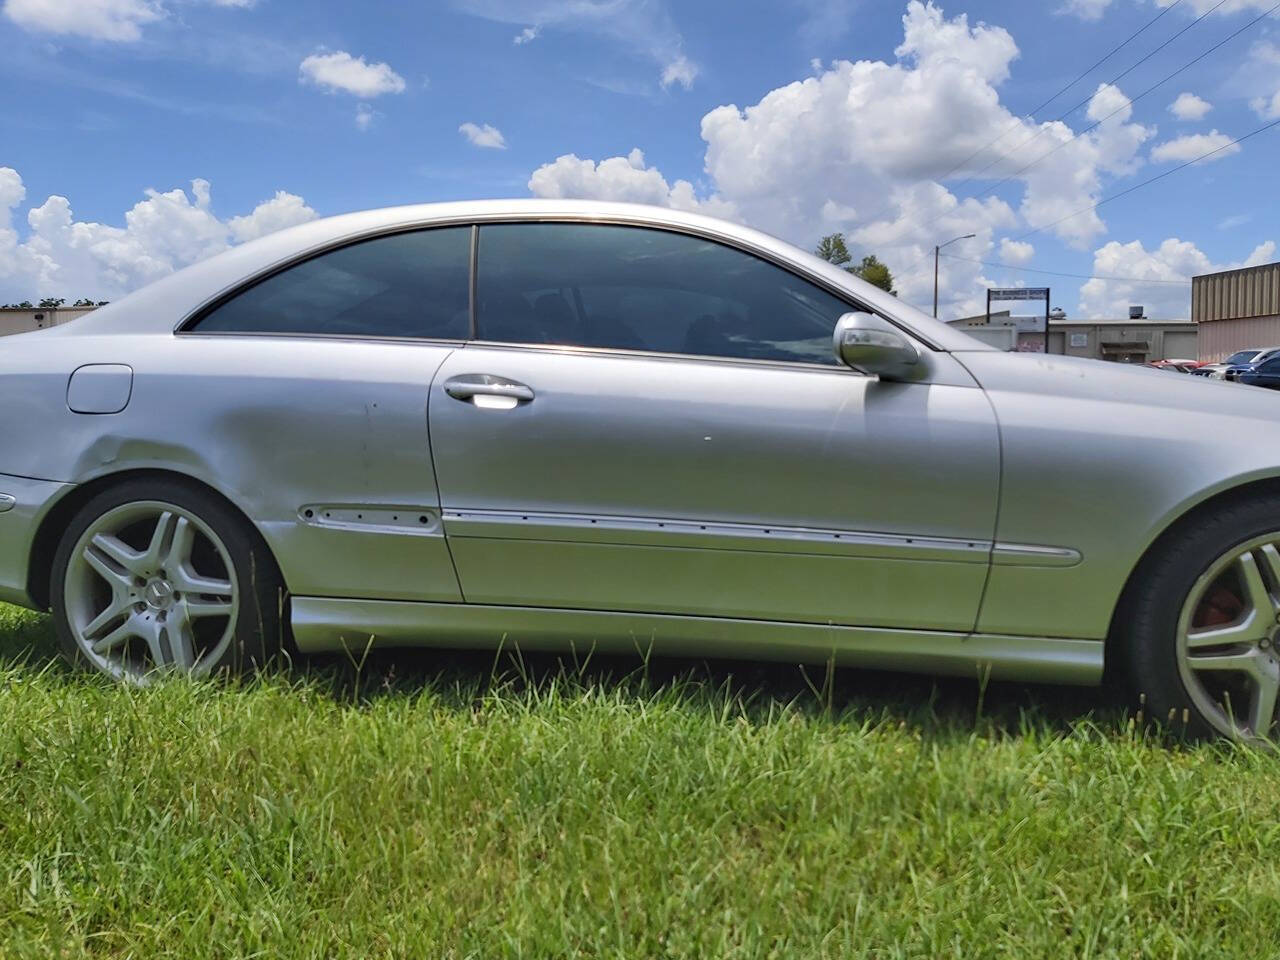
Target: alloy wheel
(1227,640)
(151,586)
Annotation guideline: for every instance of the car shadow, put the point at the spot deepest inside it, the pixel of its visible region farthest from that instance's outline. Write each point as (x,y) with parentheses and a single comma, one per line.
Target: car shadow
(933,706)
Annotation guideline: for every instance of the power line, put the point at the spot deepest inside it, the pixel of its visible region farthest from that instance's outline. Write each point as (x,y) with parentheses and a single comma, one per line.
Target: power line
(1057,273)
(1114,80)
(1128,103)
(1149,181)
(1017,124)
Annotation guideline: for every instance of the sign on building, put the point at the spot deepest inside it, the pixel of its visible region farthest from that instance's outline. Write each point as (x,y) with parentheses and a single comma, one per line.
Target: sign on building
(1024,293)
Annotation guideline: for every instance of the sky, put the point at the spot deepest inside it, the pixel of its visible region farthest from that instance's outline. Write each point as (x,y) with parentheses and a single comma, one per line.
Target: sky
(139,136)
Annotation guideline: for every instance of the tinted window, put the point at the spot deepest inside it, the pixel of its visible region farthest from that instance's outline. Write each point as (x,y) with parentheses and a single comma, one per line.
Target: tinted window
(638,289)
(405,285)
(1243,356)
(1271,366)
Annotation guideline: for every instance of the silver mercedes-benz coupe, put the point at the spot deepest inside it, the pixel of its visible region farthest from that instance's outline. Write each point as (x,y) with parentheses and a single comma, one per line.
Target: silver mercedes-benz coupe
(586,425)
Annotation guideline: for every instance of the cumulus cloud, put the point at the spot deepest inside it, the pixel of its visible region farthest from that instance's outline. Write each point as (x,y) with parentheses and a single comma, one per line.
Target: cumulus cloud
(832,152)
(1193,145)
(340,72)
(626,178)
(118,20)
(1189,107)
(365,115)
(527,35)
(1016,251)
(644,27)
(484,135)
(61,256)
(1172,260)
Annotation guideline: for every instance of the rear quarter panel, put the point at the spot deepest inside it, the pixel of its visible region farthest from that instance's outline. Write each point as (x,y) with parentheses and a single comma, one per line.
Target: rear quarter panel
(273,424)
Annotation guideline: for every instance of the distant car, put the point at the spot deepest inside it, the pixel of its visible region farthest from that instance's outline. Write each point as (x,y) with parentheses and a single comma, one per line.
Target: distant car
(1261,373)
(576,426)
(1217,371)
(1176,366)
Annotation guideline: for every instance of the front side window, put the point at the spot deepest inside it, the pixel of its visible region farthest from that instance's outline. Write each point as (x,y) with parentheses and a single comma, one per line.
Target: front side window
(403,285)
(634,288)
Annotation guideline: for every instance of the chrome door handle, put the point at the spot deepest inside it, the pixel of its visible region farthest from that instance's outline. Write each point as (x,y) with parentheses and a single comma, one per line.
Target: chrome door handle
(468,386)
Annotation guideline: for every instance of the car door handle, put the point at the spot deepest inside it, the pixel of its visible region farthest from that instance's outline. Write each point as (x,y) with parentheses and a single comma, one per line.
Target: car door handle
(469,386)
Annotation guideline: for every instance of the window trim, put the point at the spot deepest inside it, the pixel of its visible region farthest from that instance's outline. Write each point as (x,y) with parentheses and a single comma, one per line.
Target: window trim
(182,327)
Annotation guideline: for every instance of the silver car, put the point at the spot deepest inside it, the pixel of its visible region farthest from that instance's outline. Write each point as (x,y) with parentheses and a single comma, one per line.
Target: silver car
(576,424)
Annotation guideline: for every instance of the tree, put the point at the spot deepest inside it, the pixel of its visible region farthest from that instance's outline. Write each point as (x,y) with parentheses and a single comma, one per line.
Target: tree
(24,305)
(89,302)
(875,273)
(52,303)
(834,249)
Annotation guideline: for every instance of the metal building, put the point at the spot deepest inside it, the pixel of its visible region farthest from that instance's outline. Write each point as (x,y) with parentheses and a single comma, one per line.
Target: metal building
(1236,309)
(24,319)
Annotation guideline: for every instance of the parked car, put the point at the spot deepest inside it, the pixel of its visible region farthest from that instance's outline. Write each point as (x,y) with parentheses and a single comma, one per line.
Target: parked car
(558,425)
(1260,373)
(1218,371)
(1175,366)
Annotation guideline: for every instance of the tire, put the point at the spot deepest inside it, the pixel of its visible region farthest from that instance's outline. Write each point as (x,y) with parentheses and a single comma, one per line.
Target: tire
(1200,625)
(160,575)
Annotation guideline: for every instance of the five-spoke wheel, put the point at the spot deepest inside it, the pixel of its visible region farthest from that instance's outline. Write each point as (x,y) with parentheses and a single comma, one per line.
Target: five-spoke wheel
(158,577)
(1227,636)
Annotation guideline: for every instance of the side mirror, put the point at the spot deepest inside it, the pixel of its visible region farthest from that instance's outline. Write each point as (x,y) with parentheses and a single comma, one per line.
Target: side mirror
(865,342)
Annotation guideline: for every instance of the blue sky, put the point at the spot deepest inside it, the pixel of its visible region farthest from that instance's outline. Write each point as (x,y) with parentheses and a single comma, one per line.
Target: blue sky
(141,135)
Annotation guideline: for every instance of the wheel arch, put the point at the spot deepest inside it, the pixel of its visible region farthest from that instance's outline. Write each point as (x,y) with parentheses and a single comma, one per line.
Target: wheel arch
(1113,657)
(44,544)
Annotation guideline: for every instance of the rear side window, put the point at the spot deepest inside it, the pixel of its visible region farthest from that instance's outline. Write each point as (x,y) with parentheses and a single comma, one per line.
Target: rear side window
(1271,366)
(404,285)
(633,288)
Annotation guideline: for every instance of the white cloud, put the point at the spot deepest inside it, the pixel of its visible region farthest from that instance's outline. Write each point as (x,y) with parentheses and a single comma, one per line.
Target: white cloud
(643,26)
(62,256)
(1085,9)
(119,20)
(1201,7)
(1016,251)
(619,178)
(485,135)
(341,72)
(832,152)
(365,115)
(1268,108)
(1189,107)
(1193,145)
(680,70)
(282,210)
(1235,220)
(527,35)
(1173,260)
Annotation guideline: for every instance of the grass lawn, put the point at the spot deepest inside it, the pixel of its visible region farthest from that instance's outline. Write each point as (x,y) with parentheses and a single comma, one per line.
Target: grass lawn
(430,806)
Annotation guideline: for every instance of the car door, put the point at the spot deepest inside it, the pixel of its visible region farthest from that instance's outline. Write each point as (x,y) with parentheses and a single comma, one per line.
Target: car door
(652,421)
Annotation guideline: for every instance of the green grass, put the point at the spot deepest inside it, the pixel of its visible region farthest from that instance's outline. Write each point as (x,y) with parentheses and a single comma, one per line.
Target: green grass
(460,806)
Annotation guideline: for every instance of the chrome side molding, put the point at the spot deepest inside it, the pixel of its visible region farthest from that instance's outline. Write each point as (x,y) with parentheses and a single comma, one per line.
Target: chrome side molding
(7,502)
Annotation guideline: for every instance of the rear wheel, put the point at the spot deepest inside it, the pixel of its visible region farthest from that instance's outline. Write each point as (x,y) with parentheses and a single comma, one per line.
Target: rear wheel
(1205,623)
(158,575)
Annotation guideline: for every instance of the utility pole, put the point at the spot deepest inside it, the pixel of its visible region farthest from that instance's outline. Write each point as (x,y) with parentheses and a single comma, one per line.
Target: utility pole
(936,249)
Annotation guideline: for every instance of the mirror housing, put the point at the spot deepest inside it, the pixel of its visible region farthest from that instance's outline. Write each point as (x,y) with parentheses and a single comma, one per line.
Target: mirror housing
(865,342)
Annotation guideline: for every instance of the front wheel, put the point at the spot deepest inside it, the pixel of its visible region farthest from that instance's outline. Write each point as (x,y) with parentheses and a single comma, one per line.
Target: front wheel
(1204,624)
(158,575)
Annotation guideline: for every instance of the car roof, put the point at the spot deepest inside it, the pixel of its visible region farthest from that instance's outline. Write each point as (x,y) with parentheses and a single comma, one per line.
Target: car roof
(160,306)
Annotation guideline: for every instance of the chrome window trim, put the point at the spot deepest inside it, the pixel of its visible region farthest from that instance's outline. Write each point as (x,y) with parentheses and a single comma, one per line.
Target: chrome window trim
(623,353)
(477,220)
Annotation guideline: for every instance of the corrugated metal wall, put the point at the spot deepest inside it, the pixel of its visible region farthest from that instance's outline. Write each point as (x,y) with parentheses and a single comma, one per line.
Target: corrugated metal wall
(1251,292)
(1221,338)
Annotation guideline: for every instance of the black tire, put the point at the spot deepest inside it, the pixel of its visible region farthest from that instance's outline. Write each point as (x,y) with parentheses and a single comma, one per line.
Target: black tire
(259,633)
(1145,631)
